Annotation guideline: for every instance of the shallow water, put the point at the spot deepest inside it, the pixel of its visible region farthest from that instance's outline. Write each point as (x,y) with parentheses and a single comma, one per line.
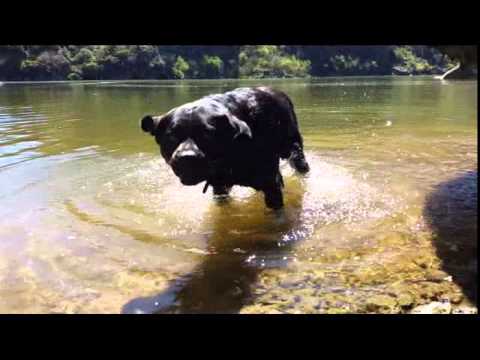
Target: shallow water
(92,220)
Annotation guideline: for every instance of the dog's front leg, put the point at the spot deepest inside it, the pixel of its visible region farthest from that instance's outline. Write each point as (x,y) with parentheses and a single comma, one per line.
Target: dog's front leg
(221,190)
(273,192)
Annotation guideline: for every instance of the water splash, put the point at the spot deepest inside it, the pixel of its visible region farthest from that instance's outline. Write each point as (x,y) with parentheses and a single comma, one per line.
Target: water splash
(334,195)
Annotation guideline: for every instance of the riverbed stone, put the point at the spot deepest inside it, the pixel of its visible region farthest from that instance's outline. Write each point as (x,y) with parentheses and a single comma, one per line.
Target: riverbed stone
(405,300)
(456,298)
(434,307)
(436,275)
(380,302)
(465,310)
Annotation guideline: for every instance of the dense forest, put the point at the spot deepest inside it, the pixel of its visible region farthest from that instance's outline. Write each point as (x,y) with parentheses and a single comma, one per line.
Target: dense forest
(88,62)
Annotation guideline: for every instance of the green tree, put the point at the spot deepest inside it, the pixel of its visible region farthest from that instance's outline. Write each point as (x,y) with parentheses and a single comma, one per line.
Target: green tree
(11,58)
(49,65)
(74,76)
(180,68)
(59,62)
(85,55)
(409,62)
(212,66)
(271,61)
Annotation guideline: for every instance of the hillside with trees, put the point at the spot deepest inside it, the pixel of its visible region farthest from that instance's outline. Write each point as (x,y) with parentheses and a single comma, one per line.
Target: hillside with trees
(105,62)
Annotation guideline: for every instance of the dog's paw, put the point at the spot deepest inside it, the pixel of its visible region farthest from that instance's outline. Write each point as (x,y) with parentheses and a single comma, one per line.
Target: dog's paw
(222,199)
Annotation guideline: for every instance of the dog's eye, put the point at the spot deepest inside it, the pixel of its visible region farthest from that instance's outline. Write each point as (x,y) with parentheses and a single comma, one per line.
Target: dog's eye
(171,137)
(203,139)
(209,132)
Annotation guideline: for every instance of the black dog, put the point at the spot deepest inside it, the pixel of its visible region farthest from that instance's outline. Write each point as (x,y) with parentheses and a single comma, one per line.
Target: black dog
(236,138)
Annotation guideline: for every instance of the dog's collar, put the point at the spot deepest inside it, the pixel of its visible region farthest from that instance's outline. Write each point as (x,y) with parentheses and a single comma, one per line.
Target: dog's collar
(224,176)
(207,184)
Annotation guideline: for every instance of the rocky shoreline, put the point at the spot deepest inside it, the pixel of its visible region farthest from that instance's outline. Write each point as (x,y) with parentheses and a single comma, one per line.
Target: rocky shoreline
(307,294)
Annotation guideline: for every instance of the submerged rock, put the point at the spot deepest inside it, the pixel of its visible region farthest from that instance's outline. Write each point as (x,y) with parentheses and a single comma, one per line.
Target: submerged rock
(434,307)
(465,310)
(437,276)
(382,303)
(258,309)
(405,300)
(456,298)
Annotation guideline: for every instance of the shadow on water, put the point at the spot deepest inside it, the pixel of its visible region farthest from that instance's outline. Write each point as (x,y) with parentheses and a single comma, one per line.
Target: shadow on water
(222,282)
(451,211)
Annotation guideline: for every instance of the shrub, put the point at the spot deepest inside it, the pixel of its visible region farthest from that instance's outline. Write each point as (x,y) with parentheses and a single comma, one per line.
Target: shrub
(271,61)
(407,60)
(84,56)
(212,66)
(74,76)
(180,68)
(90,71)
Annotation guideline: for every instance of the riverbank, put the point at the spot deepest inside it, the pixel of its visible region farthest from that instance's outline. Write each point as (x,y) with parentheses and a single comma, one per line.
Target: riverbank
(108,62)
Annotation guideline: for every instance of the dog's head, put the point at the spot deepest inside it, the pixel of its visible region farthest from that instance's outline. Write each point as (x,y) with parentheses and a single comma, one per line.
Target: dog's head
(193,137)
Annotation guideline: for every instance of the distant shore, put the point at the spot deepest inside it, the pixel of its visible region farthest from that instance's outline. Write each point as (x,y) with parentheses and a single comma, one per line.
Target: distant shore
(86,82)
(118,62)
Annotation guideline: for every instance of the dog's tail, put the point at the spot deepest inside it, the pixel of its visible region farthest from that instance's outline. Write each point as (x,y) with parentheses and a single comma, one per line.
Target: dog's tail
(297,159)
(296,156)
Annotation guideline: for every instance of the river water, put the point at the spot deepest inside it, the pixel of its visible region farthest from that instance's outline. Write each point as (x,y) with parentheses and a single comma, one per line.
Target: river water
(93,221)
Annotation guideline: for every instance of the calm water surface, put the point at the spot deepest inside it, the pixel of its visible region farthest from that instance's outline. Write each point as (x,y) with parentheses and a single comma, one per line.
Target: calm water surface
(92,220)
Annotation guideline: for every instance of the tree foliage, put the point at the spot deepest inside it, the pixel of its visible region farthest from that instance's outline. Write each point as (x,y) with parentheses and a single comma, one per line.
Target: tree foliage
(180,68)
(271,61)
(89,62)
(212,67)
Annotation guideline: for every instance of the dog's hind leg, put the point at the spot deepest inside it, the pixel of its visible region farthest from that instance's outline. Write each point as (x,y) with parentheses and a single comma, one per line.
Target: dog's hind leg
(274,198)
(221,194)
(273,193)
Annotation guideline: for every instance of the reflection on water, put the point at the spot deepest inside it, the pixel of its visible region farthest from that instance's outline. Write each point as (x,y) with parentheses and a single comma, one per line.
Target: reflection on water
(222,282)
(92,219)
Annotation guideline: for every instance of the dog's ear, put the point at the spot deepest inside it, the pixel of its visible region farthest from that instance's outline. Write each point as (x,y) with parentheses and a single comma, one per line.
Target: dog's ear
(242,130)
(151,123)
(231,125)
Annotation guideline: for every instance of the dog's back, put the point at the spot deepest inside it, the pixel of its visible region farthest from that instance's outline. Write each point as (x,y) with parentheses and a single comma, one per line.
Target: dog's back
(269,113)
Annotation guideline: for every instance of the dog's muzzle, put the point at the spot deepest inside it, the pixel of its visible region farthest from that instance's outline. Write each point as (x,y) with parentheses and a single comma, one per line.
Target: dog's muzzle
(189,163)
